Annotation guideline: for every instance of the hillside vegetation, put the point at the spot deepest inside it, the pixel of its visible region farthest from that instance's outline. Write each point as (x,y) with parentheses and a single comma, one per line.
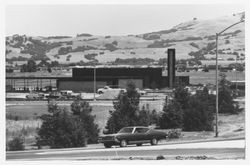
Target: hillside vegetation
(191,39)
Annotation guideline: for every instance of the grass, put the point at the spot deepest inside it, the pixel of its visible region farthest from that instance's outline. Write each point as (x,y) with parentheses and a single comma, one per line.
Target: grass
(230,126)
(23,128)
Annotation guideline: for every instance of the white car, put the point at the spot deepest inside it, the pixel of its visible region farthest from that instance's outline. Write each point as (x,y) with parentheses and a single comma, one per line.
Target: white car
(107,88)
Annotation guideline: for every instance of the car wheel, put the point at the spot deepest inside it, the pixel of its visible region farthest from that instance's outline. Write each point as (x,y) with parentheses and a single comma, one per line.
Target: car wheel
(154,141)
(107,146)
(139,144)
(123,143)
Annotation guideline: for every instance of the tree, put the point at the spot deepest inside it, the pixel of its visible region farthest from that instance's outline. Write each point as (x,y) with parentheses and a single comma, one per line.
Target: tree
(82,110)
(191,113)
(226,103)
(54,64)
(172,116)
(62,128)
(198,116)
(147,117)
(126,109)
(181,96)
(43,63)
(31,66)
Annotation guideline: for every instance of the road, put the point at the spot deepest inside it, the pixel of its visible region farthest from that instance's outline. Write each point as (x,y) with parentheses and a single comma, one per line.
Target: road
(231,149)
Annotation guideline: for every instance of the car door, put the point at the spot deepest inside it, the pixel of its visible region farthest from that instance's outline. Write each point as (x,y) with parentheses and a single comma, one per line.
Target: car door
(140,134)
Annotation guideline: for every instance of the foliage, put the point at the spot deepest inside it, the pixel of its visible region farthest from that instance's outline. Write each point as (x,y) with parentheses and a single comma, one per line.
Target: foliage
(16,144)
(174,134)
(62,129)
(64,50)
(111,47)
(115,43)
(83,110)
(90,56)
(29,67)
(38,47)
(126,109)
(226,103)
(19,58)
(172,116)
(160,44)
(194,45)
(83,48)
(83,35)
(133,61)
(191,113)
(147,117)
(198,116)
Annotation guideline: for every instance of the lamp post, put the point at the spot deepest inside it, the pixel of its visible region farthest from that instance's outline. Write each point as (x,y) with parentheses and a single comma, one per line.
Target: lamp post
(236,75)
(94,81)
(216,77)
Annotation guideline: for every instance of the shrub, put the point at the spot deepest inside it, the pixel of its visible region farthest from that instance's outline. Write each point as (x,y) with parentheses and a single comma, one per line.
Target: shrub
(126,109)
(172,116)
(110,47)
(194,45)
(226,103)
(90,56)
(227,42)
(198,116)
(174,133)
(16,144)
(62,129)
(82,110)
(160,157)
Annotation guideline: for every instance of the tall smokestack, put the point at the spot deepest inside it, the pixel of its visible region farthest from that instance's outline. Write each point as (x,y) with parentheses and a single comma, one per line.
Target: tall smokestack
(171,67)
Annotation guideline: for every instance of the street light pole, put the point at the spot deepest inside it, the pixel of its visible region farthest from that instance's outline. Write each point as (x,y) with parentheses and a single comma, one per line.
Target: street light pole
(236,85)
(217,90)
(94,81)
(216,77)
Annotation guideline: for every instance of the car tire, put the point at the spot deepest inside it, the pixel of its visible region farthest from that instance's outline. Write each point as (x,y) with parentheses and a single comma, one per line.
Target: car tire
(154,141)
(107,145)
(139,144)
(123,143)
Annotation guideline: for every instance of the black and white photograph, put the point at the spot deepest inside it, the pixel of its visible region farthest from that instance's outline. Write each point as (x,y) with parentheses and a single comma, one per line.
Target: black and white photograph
(124,82)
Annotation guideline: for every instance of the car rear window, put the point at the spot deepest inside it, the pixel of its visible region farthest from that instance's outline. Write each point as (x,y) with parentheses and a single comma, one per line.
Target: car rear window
(141,130)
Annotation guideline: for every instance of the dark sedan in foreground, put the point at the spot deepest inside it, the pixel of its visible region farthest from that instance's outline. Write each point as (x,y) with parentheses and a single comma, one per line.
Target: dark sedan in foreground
(132,135)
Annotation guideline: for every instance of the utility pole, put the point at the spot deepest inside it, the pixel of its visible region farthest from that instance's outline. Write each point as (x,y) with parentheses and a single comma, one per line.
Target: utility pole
(217,90)
(216,77)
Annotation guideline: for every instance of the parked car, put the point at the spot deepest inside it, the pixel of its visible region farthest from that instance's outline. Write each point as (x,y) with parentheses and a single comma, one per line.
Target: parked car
(133,135)
(107,88)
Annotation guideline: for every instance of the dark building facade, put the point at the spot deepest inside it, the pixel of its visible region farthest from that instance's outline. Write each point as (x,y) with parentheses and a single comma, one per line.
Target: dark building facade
(83,78)
(148,77)
(143,77)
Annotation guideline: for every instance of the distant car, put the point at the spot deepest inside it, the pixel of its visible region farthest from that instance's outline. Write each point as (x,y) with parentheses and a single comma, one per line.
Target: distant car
(107,88)
(133,135)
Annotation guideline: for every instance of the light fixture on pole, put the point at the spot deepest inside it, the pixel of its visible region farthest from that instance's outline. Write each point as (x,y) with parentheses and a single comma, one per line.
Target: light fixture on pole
(216,77)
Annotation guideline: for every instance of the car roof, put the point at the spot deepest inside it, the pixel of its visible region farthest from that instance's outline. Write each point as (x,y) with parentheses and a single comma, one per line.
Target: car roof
(136,127)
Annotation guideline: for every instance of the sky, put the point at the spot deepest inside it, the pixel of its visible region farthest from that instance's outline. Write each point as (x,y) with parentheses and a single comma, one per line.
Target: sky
(52,20)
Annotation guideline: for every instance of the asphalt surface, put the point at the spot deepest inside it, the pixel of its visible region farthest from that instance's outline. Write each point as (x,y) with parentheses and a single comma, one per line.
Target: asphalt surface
(230,149)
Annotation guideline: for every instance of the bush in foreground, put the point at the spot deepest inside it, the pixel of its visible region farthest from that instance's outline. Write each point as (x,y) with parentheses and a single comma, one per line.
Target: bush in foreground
(63,129)
(16,144)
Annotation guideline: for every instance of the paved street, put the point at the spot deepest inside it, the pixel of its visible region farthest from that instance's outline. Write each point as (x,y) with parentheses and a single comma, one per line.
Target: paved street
(231,149)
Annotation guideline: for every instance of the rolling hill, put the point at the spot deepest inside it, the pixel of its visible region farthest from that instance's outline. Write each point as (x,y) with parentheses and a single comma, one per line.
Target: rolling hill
(192,39)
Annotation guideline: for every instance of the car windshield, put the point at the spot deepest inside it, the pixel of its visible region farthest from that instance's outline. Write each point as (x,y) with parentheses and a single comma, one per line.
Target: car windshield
(126,130)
